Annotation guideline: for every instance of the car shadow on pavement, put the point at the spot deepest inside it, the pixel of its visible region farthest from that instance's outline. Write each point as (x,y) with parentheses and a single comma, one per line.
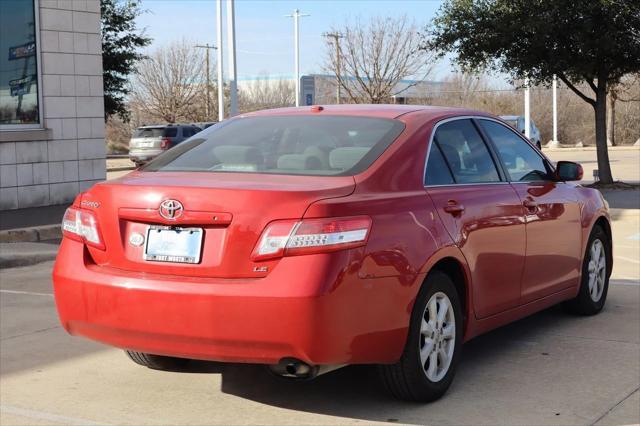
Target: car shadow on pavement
(356,391)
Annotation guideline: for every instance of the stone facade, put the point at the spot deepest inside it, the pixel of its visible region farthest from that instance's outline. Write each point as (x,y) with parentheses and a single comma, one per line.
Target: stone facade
(49,166)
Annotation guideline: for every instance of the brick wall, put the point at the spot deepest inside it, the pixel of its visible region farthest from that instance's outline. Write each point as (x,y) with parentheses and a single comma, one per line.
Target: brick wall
(50,166)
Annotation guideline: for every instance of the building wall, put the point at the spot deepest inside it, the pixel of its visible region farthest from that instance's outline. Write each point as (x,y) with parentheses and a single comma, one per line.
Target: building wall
(49,166)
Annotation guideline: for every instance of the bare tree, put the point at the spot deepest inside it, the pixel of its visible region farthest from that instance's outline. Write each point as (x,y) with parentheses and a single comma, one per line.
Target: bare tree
(265,93)
(628,90)
(170,83)
(369,60)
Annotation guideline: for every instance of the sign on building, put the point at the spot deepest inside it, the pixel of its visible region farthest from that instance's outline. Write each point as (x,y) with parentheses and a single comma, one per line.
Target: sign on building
(307,90)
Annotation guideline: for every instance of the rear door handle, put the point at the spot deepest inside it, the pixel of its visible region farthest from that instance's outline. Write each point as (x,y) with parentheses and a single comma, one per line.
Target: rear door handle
(454,208)
(530,204)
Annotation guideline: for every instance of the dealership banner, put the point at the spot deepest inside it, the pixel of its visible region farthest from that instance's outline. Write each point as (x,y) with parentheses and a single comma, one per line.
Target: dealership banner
(21,86)
(22,51)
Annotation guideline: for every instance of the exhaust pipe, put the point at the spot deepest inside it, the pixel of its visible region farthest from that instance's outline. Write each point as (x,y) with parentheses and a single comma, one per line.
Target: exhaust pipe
(296,369)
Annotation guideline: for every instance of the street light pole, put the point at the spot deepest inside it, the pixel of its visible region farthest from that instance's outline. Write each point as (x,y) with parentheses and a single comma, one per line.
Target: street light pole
(527,114)
(555,109)
(336,38)
(220,68)
(296,37)
(231,45)
(208,48)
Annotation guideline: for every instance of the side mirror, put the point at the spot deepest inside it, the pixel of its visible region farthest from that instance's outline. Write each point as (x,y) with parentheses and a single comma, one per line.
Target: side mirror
(568,171)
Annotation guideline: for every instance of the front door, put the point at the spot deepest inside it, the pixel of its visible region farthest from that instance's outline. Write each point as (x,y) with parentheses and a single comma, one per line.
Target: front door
(481,211)
(551,211)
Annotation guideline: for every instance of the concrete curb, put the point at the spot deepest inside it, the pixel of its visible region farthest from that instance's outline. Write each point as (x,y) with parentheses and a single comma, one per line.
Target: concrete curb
(31,235)
(13,255)
(569,148)
(16,261)
(120,169)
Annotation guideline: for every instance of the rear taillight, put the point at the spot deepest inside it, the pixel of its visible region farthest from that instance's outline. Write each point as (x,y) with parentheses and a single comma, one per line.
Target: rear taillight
(165,143)
(82,225)
(292,237)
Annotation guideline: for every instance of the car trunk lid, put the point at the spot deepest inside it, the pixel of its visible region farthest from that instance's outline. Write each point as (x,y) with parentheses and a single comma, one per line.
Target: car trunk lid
(232,209)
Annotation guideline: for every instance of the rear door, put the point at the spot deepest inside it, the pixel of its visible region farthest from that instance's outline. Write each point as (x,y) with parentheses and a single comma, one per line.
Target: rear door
(481,212)
(551,211)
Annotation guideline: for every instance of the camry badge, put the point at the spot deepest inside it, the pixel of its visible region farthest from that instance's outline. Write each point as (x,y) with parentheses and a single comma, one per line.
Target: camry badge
(171,209)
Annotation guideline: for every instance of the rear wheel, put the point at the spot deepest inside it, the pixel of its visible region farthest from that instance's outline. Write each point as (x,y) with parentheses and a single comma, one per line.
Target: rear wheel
(157,362)
(595,276)
(427,366)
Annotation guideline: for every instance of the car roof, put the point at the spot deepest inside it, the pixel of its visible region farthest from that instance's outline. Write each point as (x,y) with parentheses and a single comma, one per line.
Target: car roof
(367,110)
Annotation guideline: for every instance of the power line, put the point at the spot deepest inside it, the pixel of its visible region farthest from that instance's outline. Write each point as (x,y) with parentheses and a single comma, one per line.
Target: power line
(208,48)
(336,36)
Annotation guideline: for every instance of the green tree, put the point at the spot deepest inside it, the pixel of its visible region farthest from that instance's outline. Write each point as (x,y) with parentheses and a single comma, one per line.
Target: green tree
(121,41)
(589,44)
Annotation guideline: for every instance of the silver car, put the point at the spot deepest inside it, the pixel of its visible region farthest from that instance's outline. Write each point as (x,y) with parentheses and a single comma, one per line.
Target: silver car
(517,122)
(150,141)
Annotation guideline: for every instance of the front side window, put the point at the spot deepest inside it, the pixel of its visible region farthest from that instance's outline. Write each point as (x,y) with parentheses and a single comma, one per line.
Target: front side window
(465,152)
(18,64)
(520,159)
(302,145)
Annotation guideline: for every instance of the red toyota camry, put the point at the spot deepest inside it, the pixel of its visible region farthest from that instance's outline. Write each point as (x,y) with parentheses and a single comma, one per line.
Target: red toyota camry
(311,238)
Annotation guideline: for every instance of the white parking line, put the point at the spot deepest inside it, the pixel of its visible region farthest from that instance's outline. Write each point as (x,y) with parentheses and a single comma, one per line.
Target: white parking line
(47,417)
(30,293)
(634,281)
(628,259)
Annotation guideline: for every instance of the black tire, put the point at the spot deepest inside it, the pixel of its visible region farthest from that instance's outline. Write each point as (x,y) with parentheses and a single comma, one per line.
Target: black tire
(407,380)
(583,303)
(157,362)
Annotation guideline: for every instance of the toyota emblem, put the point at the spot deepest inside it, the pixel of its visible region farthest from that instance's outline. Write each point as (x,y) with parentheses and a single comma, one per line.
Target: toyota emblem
(171,209)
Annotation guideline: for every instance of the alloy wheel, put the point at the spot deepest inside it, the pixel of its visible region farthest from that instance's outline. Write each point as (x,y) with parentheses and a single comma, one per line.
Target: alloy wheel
(437,337)
(597,269)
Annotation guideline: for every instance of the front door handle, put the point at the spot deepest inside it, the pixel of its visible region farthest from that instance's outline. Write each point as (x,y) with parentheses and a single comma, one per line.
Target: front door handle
(454,208)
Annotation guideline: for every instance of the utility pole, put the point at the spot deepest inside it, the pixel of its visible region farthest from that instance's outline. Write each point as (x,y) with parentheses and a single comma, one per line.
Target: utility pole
(336,39)
(527,114)
(220,69)
(231,45)
(296,40)
(208,48)
(555,109)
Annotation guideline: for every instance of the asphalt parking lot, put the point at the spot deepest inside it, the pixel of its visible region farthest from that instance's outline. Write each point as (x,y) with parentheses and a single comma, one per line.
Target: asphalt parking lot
(550,368)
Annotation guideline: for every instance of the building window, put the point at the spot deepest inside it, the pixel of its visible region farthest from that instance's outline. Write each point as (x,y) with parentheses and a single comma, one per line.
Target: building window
(19,100)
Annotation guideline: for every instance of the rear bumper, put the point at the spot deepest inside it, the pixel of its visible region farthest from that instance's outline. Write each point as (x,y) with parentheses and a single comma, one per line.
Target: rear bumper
(144,155)
(317,314)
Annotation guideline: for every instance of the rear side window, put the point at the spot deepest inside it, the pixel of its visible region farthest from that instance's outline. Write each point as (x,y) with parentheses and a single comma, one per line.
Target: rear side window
(148,132)
(170,132)
(465,152)
(438,172)
(522,161)
(303,145)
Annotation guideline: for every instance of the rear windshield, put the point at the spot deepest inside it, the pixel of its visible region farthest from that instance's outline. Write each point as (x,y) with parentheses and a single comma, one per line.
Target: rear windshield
(304,145)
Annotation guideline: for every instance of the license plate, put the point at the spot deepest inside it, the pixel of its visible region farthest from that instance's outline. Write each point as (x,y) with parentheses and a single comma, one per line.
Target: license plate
(178,245)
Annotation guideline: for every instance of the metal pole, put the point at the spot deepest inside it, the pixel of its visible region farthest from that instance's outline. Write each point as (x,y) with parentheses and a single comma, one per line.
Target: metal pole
(336,38)
(296,31)
(555,109)
(220,55)
(527,114)
(296,42)
(231,45)
(207,47)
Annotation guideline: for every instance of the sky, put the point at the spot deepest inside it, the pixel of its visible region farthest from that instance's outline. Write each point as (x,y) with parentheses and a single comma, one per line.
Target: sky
(264,37)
